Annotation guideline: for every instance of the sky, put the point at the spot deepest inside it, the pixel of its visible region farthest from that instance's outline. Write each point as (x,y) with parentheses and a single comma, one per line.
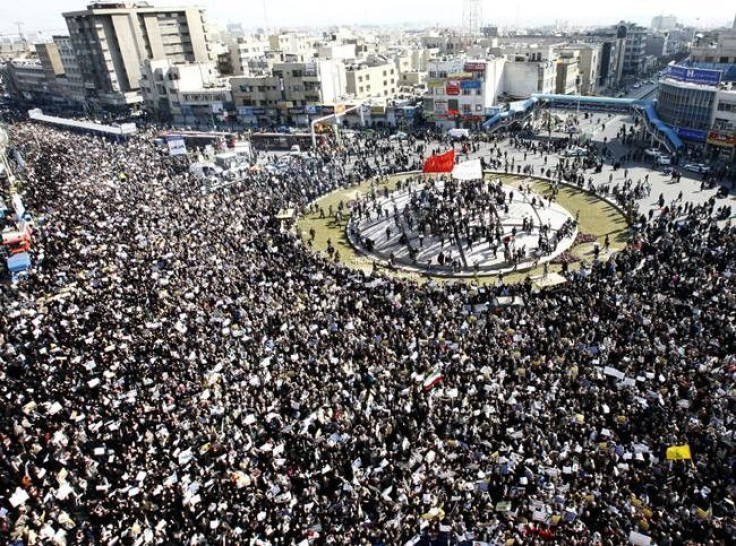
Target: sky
(45,15)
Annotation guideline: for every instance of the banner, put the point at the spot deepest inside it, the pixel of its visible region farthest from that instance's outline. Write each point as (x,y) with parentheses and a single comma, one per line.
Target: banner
(470,84)
(470,170)
(452,88)
(245,111)
(217,108)
(442,163)
(177,146)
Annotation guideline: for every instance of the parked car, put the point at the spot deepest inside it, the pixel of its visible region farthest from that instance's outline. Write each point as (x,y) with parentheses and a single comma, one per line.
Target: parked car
(699,168)
(664,160)
(637,85)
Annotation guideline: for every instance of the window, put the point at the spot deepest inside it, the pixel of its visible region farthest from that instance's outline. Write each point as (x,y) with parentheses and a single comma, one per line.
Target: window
(467,108)
(466,92)
(478,107)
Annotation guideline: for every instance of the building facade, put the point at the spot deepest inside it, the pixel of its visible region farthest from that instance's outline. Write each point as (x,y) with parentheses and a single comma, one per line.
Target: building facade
(112,40)
(372,80)
(462,91)
(186,94)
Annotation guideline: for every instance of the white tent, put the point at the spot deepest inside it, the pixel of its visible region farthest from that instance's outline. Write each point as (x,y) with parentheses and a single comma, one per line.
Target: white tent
(470,170)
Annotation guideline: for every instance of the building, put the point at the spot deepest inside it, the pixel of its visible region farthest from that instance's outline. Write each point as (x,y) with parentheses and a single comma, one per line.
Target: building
(462,92)
(656,44)
(335,51)
(27,80)
(662,23)
(635,43)
(589,67)
(244,49)
(256,98)
(567,67)
(525,75)
(186,94)
(292,42)
(71,85)
(112,40)
(718,48)
(378,79)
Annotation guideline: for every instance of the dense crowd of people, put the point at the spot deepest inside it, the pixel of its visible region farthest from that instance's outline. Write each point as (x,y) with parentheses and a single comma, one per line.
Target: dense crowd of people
(179,369)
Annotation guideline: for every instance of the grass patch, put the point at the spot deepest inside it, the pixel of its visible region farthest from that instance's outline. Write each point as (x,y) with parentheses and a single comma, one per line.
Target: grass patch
(597,218)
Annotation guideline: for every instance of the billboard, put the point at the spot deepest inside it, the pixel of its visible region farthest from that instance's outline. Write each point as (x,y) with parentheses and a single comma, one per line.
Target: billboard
(245,111)
(700,76)
(721,139)
(435,83)
(313,109)
(452,88)
(217,108)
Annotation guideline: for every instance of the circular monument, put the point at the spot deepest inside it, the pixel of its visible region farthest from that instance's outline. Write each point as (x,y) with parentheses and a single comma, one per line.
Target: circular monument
(458,228)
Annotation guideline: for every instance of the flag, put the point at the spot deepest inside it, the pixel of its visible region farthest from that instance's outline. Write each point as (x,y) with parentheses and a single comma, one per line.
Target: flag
(678,453)
(432,379)
(442,163)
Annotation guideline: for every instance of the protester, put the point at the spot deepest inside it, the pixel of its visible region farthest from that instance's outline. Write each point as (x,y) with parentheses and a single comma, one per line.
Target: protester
(178,369)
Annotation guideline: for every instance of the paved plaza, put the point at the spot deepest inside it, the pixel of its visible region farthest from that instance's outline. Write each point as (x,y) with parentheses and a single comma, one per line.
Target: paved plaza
(395,231)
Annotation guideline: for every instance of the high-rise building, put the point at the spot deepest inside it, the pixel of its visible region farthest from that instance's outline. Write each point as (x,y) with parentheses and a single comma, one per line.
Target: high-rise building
(664,23)
(112,39)
(635,43)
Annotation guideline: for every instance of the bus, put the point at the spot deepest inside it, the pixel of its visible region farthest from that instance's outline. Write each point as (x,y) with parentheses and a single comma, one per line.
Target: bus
(269,142)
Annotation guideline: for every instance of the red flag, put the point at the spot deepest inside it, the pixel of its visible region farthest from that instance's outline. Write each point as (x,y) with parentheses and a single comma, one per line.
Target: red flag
(442,163)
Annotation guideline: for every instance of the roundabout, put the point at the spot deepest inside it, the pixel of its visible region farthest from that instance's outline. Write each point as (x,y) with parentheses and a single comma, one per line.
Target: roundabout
(456,228)
(331,230)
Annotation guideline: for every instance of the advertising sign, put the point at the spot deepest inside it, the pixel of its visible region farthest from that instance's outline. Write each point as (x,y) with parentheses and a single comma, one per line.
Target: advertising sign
(327,110)
(700,76)
(474,67)
(312,109)
(380,110)
(296,110)
(452,88)
(245,111)
(217,108)
(470,84)
(720,139)
(461,76)
(435,83)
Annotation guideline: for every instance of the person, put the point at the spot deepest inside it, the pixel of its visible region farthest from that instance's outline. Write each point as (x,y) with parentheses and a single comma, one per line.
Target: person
(179,370)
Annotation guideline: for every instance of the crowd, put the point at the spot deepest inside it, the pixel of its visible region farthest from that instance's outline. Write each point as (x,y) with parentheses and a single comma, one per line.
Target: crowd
(179,369)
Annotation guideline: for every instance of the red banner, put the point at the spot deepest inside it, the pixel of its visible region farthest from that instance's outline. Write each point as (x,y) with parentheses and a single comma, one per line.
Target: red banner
(443,163)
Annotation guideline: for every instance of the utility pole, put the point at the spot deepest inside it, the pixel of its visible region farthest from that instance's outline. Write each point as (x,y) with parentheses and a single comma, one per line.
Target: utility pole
(472,19)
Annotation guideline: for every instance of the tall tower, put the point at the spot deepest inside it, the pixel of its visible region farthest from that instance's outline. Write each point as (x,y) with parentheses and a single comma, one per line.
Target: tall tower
(472,20)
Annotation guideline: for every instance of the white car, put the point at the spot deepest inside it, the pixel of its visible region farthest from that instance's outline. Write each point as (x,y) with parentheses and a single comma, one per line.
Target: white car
(637,85)
(399,136)
(664,161)
(576,152)
(696,168)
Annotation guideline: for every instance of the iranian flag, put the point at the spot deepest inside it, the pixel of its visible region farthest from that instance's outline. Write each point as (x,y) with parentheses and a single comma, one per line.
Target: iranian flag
(432,380)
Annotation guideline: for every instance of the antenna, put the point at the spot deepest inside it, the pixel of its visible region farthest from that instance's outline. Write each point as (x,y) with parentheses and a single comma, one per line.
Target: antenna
(472,18)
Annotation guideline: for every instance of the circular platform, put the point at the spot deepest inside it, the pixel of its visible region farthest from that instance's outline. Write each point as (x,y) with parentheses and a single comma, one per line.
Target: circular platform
(459,228)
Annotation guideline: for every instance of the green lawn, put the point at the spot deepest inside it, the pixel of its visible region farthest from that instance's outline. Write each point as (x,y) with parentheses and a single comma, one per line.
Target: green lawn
(597,218)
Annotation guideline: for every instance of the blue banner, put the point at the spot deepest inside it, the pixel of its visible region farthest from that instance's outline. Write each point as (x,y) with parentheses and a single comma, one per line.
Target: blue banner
(469,84)
(700,76)
(692,134)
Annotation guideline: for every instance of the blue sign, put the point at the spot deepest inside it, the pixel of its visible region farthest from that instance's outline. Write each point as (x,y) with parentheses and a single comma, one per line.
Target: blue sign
(692,134)
(469,84)
(700,76)
(245,111)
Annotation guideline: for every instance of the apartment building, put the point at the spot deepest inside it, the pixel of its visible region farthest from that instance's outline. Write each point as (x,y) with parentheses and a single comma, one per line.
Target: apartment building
(461,91)
(112,39)
(191,94)
(377,79)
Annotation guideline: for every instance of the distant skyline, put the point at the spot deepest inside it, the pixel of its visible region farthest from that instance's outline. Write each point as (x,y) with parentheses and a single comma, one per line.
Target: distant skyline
(45,15)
